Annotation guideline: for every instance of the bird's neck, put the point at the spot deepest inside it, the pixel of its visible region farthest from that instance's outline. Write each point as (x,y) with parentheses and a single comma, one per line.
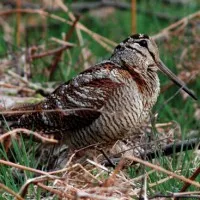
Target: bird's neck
(115,59)
(148,83)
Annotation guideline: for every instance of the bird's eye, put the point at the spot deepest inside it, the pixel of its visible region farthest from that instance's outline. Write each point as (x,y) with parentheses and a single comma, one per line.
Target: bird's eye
(143,43)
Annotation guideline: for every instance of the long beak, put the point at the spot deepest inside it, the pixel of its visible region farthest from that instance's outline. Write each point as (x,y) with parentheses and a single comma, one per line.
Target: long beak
(175,79)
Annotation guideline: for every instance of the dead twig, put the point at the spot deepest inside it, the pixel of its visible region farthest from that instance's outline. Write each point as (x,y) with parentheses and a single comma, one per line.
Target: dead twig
(103,41)
(110,181)
(166,32)
(160,169)
(23,89)
(61,194)
(82,194)
(49,53)
(22,167)
(59,54)
(24,188)
(24,81)
(27,132)
(8,190)
(186,185)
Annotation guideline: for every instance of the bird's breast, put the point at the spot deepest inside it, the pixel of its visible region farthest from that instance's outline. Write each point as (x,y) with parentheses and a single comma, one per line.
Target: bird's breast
(122,114)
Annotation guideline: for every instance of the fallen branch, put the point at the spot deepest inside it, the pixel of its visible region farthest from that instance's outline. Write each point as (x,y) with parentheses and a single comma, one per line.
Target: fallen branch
(173,148)
(168,150)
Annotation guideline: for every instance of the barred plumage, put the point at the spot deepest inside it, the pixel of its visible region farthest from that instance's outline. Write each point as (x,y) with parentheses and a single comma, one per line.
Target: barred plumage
(107,102)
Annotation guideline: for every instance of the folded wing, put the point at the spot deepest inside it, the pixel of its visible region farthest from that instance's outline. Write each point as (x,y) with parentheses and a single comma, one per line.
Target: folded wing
(75,104)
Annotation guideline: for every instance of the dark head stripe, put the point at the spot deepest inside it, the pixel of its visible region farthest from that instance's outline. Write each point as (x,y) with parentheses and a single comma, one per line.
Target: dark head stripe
(132,38)
(126,40)
(140,36)
(136,37)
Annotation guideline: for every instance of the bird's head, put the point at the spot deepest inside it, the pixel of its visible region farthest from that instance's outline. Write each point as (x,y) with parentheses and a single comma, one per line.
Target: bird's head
(139,54)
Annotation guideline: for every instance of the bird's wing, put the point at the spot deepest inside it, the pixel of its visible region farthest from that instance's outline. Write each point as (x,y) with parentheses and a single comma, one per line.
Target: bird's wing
(77,103)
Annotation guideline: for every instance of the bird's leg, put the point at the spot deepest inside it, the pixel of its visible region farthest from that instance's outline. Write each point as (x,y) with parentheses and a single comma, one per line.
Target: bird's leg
(107,158)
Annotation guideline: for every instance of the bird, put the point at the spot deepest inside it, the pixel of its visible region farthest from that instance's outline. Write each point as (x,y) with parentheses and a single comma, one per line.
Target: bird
(105,103)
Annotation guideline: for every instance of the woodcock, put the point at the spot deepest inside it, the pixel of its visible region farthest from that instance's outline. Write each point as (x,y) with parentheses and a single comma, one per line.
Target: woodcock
(106,102)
